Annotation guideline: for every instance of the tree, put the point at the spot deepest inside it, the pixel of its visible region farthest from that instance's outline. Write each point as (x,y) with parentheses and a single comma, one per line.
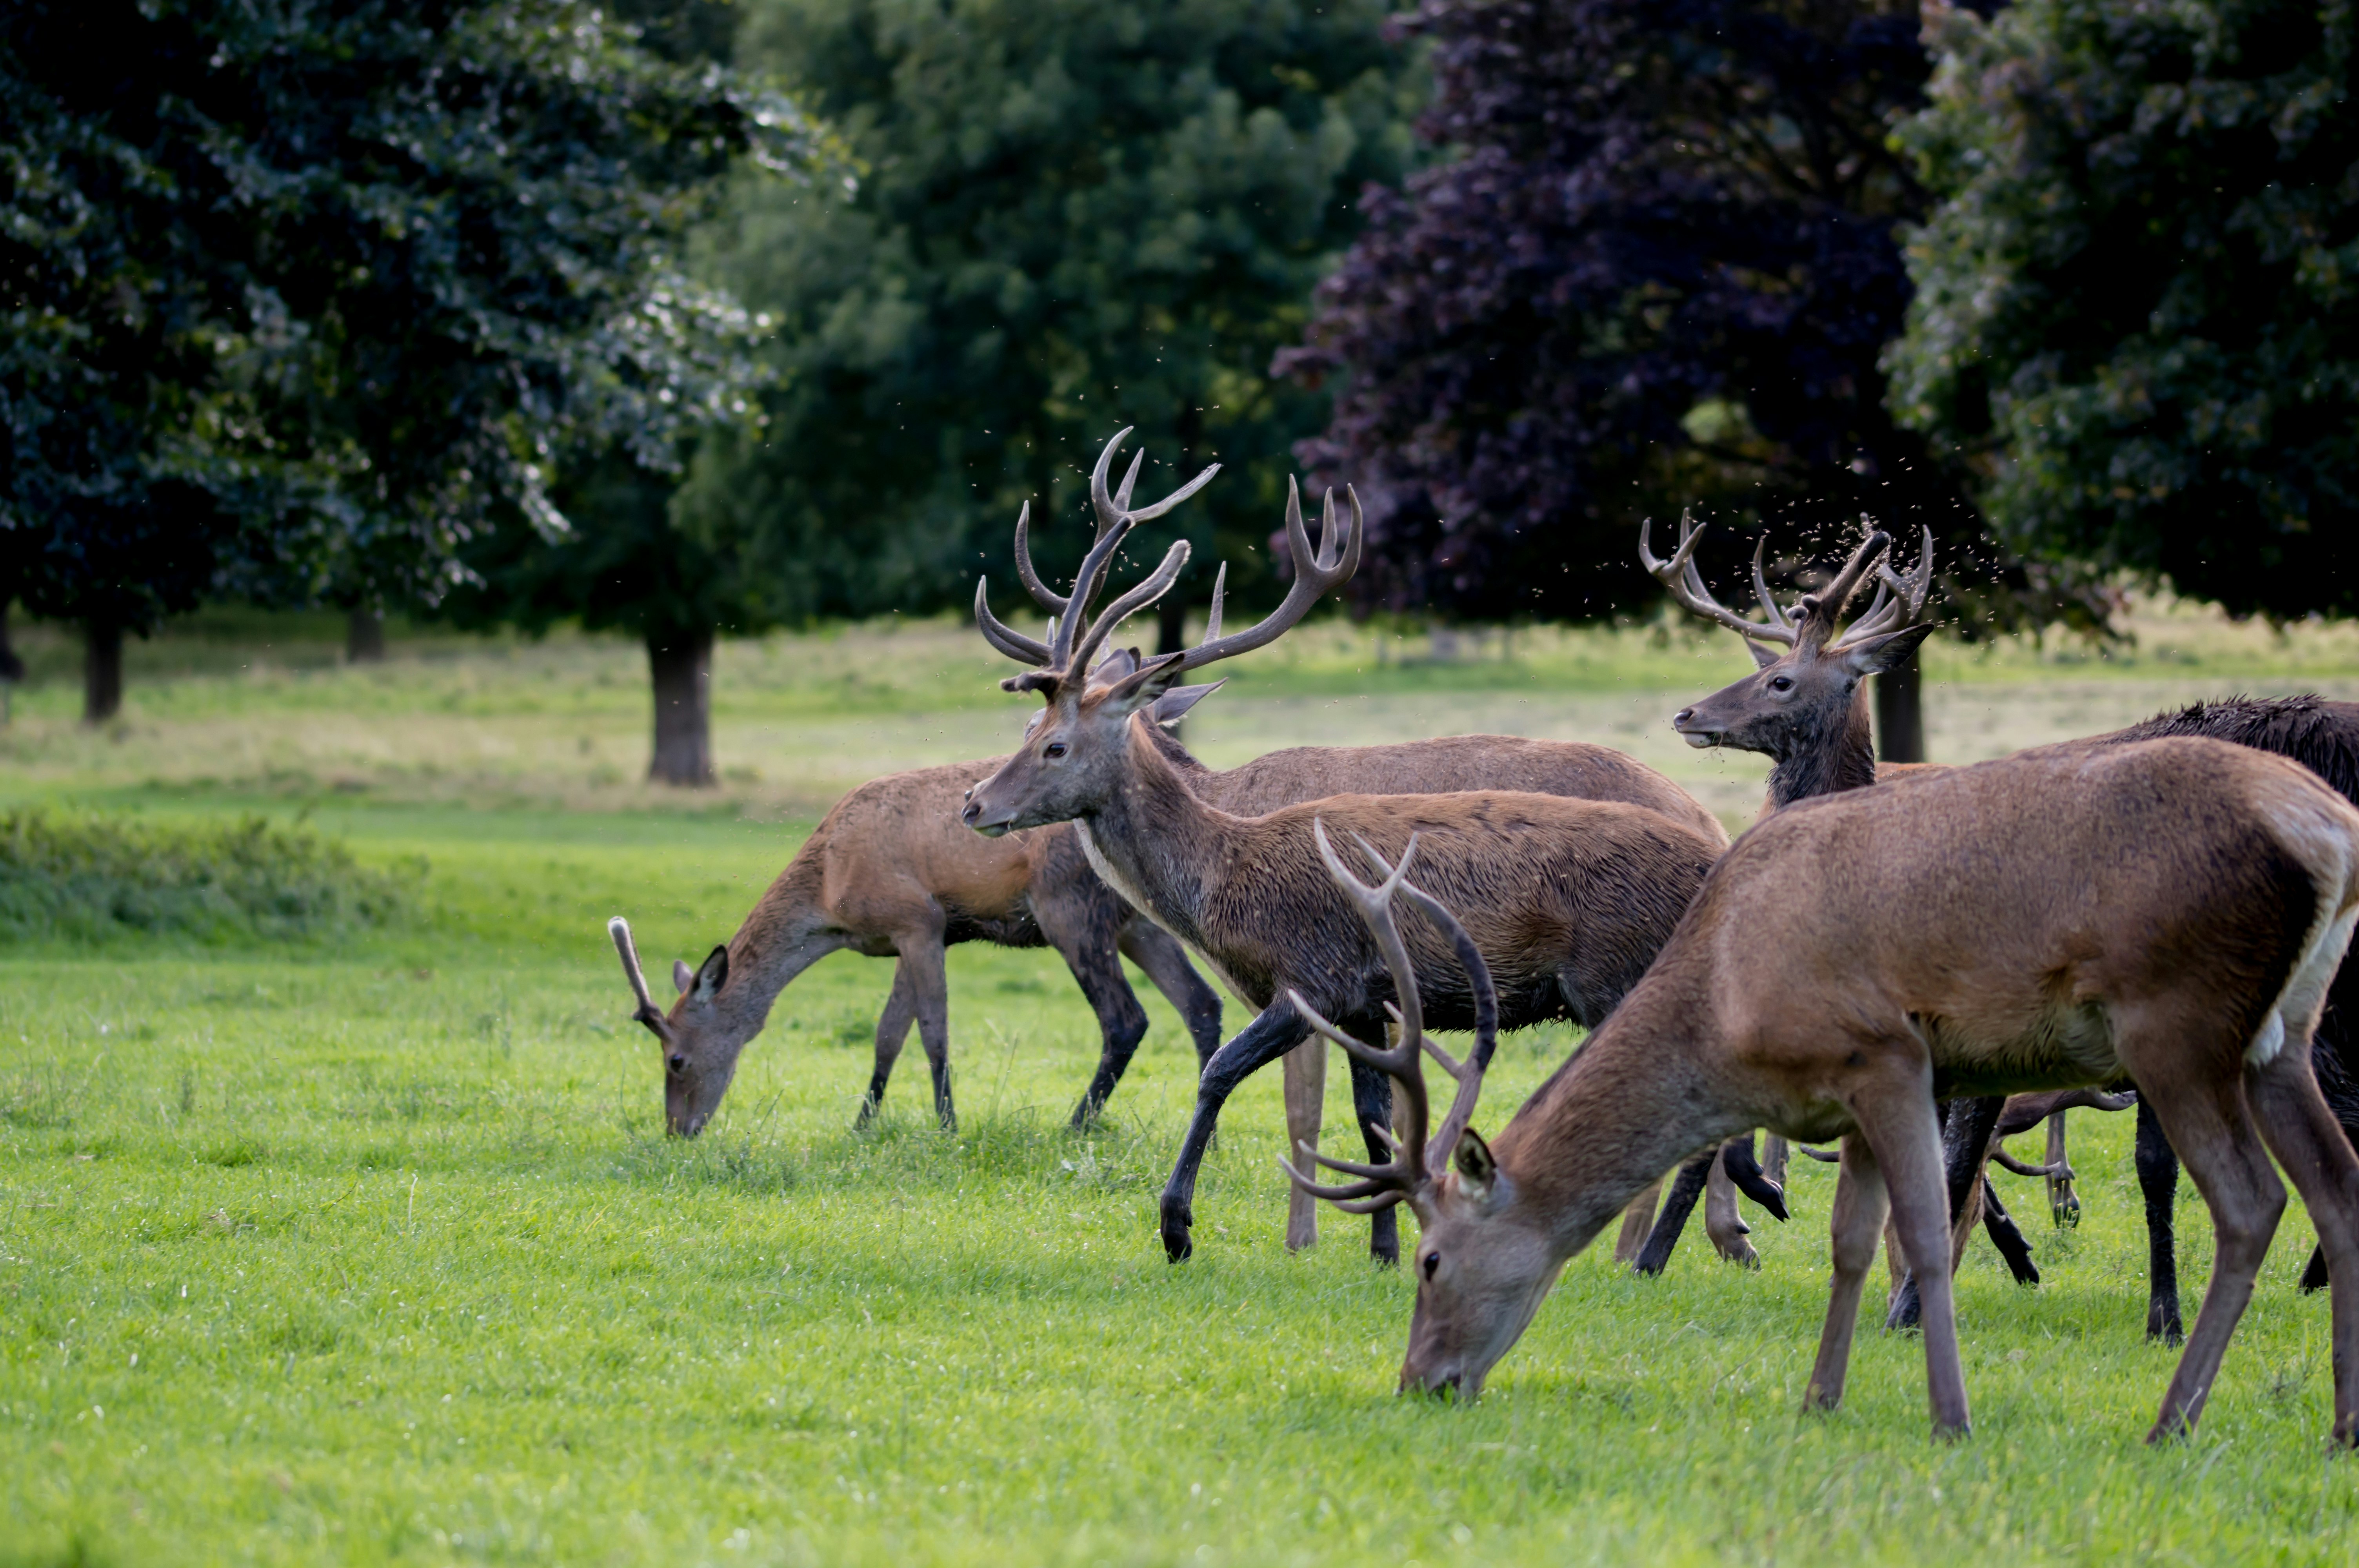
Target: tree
(1658,271)
(2138,304)
(1074,217)
(301,297)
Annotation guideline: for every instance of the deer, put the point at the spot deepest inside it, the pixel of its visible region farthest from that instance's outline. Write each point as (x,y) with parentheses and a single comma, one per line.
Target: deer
(889,873)
(1806,707)
(1575,896)
(2167,912)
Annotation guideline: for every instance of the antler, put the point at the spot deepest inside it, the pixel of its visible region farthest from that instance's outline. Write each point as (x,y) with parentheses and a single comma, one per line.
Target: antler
(1315,572)
(648,1013)
(1900,596)
(1414,1157)
(1686,585)
(1815,616)
(1116,519)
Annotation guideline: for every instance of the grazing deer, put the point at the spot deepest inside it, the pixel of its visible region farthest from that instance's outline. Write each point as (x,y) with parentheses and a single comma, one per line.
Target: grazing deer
(888,873)
(1571,898)
(1806,707)
(2169,912)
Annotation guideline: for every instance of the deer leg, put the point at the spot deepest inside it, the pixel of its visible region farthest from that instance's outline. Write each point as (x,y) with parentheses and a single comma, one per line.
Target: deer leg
(1122,1022)
(1854,1225)
(1906,1132)
(2157,1176)
(892,1033)
(2063,1202)
(1270,1035)
(2341,1097)
(1306,1109)
(1738,1161)
(1967,1124)
(1722,1223)
(929,987)
(1686,1187)
(1636,1221)
(1371,1100)
(2012,1247)
(1775,1153)
(1160,957)
(2310,1146)
(2209,1128)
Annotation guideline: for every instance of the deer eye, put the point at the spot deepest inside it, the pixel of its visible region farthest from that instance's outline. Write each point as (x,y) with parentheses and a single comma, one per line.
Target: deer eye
(678,1063)
(1432,1261)
(1783,683)
(1053,750)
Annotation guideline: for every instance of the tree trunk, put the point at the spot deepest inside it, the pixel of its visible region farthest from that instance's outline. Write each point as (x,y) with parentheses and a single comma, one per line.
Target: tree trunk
(363,637)
(102,671)
(1171,624)
(1901,713)
(682,664)
(11,668)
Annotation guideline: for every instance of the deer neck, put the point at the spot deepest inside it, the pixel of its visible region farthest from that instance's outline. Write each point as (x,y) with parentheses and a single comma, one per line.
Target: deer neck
(784,932)
(1151,838)
(1636,1099)
(1837,757)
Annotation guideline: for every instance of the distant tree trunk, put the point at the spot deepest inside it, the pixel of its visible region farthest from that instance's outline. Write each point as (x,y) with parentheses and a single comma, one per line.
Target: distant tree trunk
(1901,713)
(11,668)
(682,664)
(1171,624)
(363,637)
(102,671)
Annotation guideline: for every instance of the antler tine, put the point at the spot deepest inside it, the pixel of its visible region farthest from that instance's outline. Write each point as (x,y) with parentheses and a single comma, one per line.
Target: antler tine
(1047,598)
(1156,585)
(1469,1073)
(1219,592)
(1000,635)
(1831,599)
(1900,596)
(1129,479)
(648,1013)
(1761,588)
(1685,584)
(1315,572)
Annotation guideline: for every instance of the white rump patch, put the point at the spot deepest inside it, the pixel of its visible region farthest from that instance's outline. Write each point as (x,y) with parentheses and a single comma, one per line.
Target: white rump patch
(2319,833)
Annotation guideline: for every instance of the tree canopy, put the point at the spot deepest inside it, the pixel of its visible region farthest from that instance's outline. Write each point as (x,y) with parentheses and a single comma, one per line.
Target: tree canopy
(2137,303)
(1659,269)
(1074,217)
(300,294)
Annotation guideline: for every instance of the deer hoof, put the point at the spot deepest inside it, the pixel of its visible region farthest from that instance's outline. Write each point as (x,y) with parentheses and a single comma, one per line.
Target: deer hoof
(1177,1222)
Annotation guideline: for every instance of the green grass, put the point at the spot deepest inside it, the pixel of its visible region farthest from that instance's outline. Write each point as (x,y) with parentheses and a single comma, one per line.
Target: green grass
(371,1250)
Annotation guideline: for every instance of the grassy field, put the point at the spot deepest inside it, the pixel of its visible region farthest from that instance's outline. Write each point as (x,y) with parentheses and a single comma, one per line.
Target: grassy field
(373,1251)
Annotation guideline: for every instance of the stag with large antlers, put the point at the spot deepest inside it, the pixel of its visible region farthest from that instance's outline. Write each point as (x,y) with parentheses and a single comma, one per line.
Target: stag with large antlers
(1805,707)
(1573,897)
(2169,913)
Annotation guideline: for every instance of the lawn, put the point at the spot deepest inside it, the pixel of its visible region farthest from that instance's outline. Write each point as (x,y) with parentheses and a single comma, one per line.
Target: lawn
(372,1250)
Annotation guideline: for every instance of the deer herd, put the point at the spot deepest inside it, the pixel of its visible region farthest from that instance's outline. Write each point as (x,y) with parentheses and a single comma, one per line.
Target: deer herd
(1916,962)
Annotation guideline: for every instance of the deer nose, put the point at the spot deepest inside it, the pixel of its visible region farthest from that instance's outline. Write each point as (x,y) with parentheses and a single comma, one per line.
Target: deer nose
(971,813)
(1683,715)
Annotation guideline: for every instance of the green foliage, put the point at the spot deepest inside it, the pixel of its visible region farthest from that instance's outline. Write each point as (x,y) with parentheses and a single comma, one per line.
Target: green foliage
(81,877)
(2138,301)
(299,295)
(1074,217)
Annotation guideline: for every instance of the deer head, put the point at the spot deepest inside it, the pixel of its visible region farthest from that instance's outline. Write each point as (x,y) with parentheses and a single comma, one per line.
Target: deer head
(701,1037)
(1804,699)
(1485,1259)
(1071,755)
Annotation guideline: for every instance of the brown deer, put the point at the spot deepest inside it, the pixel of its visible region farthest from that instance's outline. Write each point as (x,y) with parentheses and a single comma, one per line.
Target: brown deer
(2169,912)
(1806,707)
(889,873)
(1573,897)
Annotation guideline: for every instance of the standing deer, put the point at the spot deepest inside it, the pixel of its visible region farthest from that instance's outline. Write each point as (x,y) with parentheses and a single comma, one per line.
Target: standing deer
(1574,896)
(2169,912)
(1806,707)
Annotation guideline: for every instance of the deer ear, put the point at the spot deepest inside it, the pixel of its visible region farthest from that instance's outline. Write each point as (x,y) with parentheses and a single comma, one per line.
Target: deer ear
(1146,685)
(1764,653)
(1877,655)
(1173,705)
(1476,1169)
(712,976)
(681,974)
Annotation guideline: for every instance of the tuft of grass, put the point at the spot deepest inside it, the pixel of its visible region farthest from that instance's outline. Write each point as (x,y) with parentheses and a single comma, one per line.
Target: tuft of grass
(90,876)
